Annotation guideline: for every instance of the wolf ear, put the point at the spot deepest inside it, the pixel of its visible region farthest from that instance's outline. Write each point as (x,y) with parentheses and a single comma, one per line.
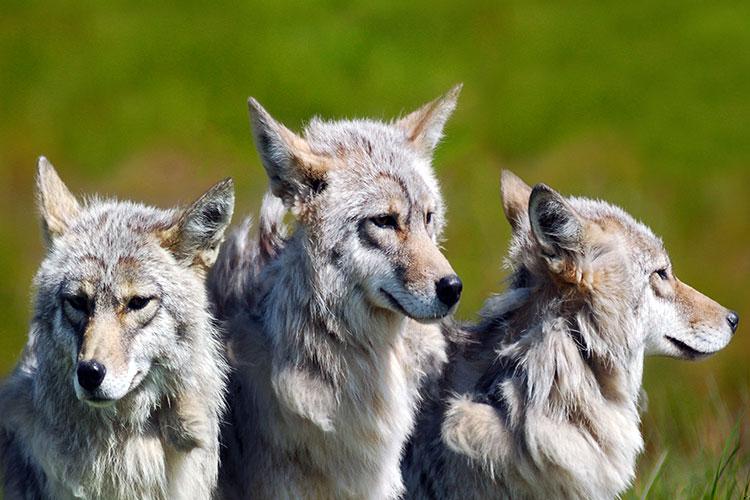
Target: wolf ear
(555,224)
(57,205)
(424,127)
(295,172)
(199,230)
(515,194)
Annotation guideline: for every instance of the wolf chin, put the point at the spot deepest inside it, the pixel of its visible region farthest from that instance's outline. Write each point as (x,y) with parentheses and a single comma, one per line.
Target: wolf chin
(541,398)
(121,385)
(331,328)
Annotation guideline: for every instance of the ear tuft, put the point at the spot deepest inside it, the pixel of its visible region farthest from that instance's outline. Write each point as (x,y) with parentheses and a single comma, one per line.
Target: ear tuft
(424,127)
(515,194)
(199,231)
(294,171)
(554,223)
(57,205)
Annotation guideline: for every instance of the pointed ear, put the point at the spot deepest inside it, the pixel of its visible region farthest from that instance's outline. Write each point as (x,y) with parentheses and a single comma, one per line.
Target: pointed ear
(295,172)
(199,230)
(515,194)
(57,205)
(424,127)
(555,224)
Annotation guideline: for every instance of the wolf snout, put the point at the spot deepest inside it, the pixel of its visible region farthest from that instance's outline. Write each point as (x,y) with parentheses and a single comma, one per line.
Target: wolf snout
(90,374)
(448,289)
(733,319)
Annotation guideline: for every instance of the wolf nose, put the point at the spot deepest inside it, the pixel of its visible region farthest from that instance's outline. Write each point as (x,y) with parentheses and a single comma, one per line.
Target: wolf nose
(90,374)
(733,319)
(448,289)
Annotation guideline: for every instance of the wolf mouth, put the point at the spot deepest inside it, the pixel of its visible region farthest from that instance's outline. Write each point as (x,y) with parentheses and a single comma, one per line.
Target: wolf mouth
(137,378)
(100,402)
(395,303)
(686,349)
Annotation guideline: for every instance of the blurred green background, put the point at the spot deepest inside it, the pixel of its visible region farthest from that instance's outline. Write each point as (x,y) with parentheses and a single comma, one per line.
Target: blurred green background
(642,103)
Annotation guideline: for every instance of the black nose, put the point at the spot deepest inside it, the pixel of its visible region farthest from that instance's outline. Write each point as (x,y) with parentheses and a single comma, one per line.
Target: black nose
(449,289)
(90,374)
(733,319)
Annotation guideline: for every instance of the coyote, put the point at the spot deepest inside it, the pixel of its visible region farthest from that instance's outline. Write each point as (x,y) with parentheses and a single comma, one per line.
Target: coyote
(120,388)
(331,328)
(541,398)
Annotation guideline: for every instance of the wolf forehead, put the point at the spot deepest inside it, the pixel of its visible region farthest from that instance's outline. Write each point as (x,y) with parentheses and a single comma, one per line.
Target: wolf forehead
(613,219)
(114,232)
(370,150)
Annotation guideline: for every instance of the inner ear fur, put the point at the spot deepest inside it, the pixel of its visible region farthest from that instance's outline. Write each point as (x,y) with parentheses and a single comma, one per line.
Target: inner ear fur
(515,195)
(198,231)
(424,127)
(555,224)
(57,205)
(295,172)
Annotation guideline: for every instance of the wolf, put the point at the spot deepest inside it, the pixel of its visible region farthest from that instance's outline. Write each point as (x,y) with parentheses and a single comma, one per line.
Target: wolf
(121,385)
(542,398)
(331,328)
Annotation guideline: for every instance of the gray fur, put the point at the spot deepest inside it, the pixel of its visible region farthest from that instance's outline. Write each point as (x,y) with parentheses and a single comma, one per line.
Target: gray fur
(541,399)
(327,365)
(151,429)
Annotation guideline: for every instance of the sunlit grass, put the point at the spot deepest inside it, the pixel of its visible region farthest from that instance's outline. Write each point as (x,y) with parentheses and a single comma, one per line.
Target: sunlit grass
(708,459)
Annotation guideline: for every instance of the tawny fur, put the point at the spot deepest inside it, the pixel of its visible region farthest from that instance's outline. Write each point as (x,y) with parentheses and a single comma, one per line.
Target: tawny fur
(326,366)
(540,399)
(157,435)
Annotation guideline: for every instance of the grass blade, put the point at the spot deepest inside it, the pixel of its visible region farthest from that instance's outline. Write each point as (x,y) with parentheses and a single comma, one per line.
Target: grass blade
(654,474)
(726,458)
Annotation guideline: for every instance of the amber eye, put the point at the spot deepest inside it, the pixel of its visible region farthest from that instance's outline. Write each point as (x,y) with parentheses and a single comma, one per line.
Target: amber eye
(136,303)
(388,221)
(428,217)
(79,303)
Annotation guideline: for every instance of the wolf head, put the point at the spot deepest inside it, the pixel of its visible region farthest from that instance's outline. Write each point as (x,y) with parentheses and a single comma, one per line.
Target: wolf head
(591,253)
(365,195)
(120,292)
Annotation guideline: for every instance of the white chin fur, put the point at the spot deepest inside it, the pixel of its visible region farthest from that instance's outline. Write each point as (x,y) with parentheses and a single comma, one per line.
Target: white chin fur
(694,346)
(112,390)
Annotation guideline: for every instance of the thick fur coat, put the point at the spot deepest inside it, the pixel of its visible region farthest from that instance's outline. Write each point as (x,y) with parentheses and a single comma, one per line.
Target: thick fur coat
(541,399)
(121,286)
(332,328)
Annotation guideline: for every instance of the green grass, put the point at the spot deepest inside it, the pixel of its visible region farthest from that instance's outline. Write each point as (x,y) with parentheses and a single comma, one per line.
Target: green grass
(642,103)
(719,471)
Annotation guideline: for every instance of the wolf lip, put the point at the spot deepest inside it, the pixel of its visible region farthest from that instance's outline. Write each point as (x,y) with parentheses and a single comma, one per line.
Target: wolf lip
(99,402)
(686,349)
(137,379)
(395,303)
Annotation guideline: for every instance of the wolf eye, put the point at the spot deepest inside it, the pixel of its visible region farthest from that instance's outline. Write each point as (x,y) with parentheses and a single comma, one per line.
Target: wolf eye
(136,303)
(428,217)
(385,221)
(78,302)
(663,274)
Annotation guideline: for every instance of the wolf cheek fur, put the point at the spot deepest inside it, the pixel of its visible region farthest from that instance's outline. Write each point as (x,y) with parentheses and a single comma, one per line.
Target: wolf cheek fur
(331,329)
(121,385)
(541,398)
